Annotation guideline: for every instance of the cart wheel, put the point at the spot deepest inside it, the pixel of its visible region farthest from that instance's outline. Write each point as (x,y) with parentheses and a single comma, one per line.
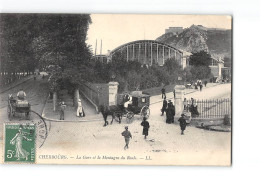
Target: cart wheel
(145,112)
(130,117)
(28,115)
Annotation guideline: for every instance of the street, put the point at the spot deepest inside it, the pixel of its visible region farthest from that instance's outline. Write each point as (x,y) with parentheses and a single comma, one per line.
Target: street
(163,140)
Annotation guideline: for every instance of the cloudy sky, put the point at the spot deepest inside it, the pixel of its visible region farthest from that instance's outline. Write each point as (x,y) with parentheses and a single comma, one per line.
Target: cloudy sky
(117,29)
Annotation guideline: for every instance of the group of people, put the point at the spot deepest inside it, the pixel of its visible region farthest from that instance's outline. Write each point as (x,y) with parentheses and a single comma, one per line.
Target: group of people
(145,124)
(79,113)
(198,84)
(191,108)
(169,108)
(127,134)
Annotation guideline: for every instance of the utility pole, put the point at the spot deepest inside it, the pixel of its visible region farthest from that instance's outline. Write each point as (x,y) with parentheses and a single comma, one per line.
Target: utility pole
(101,48)
(96,48)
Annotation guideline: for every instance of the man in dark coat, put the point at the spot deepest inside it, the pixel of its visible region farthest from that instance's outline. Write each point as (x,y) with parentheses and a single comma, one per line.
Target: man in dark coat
(163,92)
(164,107)
(170,113)
(146,127)
(200,87)
(182,123)
(205,83)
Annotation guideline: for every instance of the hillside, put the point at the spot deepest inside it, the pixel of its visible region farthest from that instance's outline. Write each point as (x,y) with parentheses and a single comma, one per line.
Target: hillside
(196,38)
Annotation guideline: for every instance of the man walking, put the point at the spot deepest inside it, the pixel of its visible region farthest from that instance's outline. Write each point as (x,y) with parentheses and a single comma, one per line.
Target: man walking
(183,123)
(164,107)
(146,127)
(200,87)
(163,92)
(62,109)
(170,113)
(127,136)
(205,83)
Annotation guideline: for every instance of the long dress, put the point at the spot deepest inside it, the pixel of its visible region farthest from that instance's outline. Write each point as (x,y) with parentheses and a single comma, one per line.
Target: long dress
(146,127)
(80,111)
(19,151)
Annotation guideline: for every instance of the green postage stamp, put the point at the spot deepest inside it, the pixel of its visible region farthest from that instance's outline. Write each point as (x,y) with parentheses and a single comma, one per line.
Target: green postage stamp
(19,143)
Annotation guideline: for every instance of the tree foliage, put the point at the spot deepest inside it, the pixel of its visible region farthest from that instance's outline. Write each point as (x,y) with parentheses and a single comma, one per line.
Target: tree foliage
(132,75)
(32,41)
(227,62)
(201,58)
(200,72)
(199,66)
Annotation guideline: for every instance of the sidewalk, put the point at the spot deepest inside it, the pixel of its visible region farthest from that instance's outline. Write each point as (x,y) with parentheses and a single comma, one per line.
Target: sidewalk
(16,83)
(70,111)
(158,98)
(89,109)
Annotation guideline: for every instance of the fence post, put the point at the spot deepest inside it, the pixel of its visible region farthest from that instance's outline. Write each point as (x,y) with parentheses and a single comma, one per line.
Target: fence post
(112,91)
(179,97)
(76,97)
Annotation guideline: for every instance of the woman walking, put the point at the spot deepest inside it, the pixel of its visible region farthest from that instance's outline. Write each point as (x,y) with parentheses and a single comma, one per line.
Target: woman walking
(183,123)
(146,127)
(80,110)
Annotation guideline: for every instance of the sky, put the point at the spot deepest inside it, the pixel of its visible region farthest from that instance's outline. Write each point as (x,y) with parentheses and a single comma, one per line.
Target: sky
(117,29)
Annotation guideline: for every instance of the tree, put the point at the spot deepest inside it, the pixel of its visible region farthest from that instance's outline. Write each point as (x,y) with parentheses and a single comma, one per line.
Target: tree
(199,65)
(227,62)
(200,72)
(201,58)
(133,80)
(39,40)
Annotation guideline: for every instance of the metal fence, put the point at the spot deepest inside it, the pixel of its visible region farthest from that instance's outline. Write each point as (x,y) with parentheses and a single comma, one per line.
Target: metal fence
(90,93)
(208,109)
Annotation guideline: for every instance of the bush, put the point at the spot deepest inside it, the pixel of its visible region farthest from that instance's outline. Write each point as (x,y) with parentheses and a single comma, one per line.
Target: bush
(200,72)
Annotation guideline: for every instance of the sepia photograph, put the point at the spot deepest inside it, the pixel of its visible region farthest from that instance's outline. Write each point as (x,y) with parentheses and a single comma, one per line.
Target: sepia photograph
(116,89)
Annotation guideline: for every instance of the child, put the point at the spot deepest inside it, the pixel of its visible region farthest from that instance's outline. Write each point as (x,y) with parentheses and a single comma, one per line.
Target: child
(146,127)
(62,109)
(182,123)
(127,136)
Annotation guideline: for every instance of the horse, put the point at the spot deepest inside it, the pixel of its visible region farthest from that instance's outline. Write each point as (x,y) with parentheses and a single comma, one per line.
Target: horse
(105,111)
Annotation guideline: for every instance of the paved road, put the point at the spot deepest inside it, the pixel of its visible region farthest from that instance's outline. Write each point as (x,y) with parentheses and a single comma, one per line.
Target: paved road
(216,92)
(65,137)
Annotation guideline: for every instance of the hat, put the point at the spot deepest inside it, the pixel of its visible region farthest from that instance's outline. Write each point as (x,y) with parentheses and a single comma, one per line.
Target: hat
(79,99)
(170,100)
(126,127)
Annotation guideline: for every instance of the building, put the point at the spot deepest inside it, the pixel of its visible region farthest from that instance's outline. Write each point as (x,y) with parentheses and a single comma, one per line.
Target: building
(174,30)
(147,52)
(101,58)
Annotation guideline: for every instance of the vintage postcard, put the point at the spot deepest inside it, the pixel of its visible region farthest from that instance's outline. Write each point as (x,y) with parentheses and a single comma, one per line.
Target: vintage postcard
(117,89)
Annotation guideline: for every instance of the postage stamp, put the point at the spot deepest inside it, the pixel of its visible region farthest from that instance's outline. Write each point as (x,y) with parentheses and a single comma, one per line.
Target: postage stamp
(19,143)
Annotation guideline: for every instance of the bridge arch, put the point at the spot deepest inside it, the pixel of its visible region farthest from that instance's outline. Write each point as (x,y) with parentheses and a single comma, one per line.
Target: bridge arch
(148,52)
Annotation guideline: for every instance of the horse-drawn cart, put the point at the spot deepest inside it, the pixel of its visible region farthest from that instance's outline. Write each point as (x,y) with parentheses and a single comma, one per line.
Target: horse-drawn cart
(16,108)
(138,105)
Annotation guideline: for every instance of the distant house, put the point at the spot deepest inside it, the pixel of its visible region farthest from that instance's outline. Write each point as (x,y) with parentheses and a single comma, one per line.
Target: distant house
(174,30)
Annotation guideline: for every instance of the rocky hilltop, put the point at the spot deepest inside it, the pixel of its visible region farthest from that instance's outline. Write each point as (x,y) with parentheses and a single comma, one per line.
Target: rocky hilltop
(196,38)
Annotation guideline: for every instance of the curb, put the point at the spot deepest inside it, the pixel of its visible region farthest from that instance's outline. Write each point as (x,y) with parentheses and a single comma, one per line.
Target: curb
(57,120)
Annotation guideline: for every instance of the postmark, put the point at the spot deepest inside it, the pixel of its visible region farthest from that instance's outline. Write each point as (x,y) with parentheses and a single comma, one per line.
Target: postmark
(19,143)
